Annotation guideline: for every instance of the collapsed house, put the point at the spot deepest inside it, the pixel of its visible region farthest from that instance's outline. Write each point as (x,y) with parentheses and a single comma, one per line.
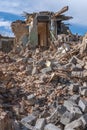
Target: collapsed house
(43,90)
(39,29)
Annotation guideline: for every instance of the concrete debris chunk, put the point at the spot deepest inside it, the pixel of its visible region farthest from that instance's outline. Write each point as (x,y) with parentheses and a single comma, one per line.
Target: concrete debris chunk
(16,125)
(84,121)
(40,124)
(75,98)
(29,69)
(51,127)
(83,105)
(76,124)
(78,74)
(31,99)
(83,91)
(30,119)
(69,104)
(61,110)
(76,111)
(73,60)
(53,117)
(46,70)
(73,108)
(74,88)
(34,71)
(67,117)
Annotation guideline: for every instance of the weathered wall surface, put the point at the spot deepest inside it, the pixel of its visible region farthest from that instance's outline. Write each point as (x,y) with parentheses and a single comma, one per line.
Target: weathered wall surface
(6,44)
(19,29)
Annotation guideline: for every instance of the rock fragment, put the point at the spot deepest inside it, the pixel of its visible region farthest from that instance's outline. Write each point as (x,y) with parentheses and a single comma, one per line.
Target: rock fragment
(40,123)
(51,127)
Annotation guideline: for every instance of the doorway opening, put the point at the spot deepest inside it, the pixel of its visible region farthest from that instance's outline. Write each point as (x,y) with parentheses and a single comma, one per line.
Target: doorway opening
(43,33)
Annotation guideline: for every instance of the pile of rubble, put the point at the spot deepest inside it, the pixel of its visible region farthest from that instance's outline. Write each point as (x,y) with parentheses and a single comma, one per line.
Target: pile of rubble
(44,90)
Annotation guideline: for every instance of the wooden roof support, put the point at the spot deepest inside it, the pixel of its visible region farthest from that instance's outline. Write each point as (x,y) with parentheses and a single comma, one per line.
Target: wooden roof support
(62,17)
(64,9)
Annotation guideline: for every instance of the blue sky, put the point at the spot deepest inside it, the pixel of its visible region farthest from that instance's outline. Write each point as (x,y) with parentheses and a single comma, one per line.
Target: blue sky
(11,10)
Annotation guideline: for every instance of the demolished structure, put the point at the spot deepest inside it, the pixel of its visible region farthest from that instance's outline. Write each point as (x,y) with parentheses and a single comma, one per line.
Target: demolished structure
(41,28)
(44,90)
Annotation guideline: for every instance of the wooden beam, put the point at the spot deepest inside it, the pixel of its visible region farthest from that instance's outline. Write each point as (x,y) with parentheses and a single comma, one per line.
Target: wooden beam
(64,9)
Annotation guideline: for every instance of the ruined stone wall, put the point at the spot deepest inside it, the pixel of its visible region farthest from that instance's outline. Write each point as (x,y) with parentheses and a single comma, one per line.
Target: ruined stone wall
(19,29)
(6,44)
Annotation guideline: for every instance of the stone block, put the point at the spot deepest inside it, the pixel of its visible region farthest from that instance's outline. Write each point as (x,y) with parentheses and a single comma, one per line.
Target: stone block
(76,124)
(16,109)
(74,88)
(69,104)
(67,117)
(79,66)
(83,91)
(83,105)
(46,70)
(34,71)
(16,125)
(75,98)
(61,110)
(40,123)
(77,74)
(30,119)
(76,111)
(51,126)
(84,121)
(73,108)
(73,60)
(56,115)
(31,99)
(29,69)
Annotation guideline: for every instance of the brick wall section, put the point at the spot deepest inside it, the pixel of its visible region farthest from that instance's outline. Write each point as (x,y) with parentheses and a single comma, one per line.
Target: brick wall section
(19,29)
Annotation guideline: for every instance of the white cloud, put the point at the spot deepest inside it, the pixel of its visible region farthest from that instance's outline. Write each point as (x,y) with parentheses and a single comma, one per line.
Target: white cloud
(77,8)
(18,6)
(5,28)
(6,33)
(5,23)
